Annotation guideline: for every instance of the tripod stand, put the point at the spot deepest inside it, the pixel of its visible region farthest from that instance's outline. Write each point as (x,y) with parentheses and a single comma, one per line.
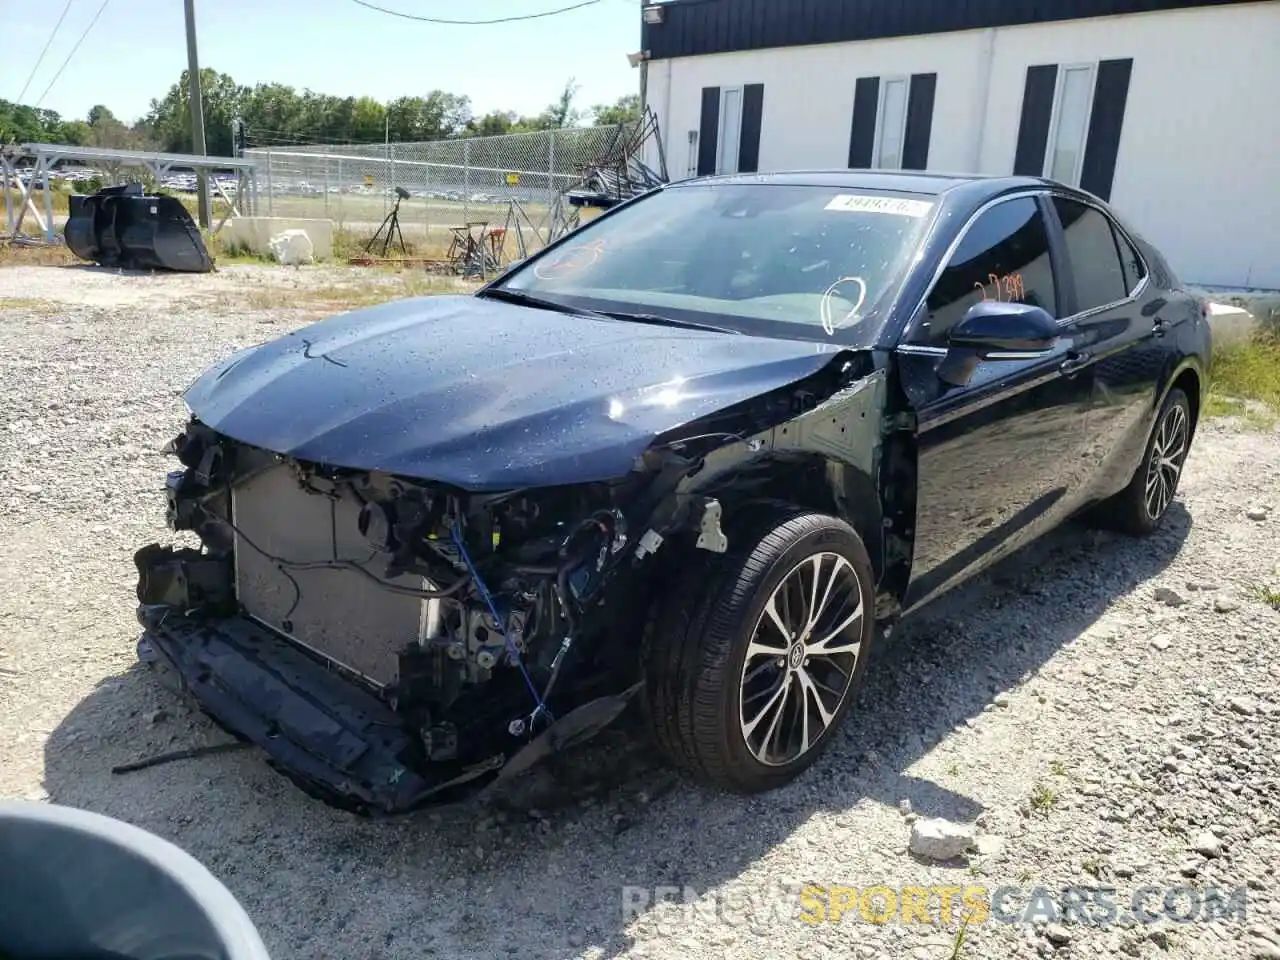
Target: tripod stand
(392,227)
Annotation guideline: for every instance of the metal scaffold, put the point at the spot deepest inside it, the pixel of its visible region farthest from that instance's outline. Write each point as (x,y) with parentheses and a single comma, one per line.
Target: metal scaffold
(29,167)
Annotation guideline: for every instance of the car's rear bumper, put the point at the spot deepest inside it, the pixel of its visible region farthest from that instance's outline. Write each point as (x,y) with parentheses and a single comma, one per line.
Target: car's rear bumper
(332,737)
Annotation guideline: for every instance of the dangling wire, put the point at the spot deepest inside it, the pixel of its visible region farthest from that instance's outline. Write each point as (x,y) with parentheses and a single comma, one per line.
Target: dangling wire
(541,707)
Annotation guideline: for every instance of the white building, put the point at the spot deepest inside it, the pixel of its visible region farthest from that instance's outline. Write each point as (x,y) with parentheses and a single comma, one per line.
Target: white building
(1170,109)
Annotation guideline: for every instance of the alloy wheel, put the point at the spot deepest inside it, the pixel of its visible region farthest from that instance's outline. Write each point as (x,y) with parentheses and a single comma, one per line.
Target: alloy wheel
(800,662)
(1168,453)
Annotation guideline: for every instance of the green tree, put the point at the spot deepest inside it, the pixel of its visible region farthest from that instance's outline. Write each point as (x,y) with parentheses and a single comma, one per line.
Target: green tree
(625,110)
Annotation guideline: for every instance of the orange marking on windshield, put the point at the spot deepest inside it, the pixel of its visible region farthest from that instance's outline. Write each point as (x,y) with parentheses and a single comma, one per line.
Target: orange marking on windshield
(571,261)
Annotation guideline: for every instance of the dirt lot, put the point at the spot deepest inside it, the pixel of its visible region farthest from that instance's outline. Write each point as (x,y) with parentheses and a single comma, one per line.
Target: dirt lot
(1106,711)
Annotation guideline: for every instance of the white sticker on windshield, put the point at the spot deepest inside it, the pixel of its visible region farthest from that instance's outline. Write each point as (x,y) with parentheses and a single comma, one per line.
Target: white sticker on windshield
(896,206)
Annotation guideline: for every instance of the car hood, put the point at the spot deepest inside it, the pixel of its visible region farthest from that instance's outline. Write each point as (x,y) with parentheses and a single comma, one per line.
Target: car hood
(483,394)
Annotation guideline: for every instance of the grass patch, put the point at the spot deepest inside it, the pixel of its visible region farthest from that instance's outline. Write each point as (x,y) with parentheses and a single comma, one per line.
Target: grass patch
(52,255)
(1269,595)
(335,297)
(1246,381)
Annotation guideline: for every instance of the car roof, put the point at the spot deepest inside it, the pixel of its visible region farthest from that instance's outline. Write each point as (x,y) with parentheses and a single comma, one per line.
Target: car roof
(976,187)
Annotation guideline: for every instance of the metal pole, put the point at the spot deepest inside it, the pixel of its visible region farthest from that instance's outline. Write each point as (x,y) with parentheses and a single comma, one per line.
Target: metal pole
(197,115)
(551,165)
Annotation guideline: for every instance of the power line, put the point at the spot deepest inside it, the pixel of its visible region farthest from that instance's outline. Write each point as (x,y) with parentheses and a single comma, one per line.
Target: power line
(479,23)
(73,52)
(40,59)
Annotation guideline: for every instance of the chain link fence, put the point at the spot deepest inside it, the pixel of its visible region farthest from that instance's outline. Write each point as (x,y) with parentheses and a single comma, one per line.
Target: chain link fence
(450,183)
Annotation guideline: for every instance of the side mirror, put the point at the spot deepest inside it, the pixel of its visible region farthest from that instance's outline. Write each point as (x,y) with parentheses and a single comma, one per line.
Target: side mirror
(990,329)
(995,331)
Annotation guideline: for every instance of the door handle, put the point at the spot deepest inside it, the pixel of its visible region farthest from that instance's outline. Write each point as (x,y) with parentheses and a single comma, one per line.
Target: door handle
(1075,362)
(1159,327)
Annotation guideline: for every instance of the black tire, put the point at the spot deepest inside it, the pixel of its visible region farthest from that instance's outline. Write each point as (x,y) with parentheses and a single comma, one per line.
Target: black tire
(699,635)
(1131,511)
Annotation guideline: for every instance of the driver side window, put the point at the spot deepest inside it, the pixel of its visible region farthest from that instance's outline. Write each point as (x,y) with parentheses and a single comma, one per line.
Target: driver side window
(1004,256)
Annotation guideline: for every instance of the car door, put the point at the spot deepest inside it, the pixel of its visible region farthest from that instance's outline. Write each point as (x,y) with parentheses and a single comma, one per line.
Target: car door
(1122,331)
(1000,458)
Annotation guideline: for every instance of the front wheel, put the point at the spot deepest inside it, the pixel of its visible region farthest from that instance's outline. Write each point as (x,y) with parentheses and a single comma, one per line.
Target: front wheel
(1139,508)
(753,663)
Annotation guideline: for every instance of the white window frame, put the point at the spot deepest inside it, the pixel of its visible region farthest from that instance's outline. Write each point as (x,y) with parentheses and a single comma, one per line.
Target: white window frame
(877,153)
(692,169)
(724,133)
(1055,118)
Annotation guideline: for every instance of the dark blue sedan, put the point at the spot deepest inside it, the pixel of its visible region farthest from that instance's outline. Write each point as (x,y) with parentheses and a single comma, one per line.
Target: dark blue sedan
(693,457)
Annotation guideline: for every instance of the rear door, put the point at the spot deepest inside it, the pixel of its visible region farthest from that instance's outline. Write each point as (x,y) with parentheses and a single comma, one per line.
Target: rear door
(1000,458)
(1121,331)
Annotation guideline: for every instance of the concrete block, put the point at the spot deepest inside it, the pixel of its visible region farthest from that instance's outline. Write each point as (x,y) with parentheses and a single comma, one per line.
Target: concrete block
(255,233)
(1230,324)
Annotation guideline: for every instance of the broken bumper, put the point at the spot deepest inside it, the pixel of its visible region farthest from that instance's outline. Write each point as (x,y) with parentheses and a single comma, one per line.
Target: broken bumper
(334,739)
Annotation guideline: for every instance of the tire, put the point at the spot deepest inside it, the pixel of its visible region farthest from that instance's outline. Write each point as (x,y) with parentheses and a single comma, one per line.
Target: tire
(1132,511)
(697,644)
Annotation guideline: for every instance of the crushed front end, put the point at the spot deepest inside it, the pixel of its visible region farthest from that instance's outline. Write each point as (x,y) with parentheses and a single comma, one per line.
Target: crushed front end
(390,641)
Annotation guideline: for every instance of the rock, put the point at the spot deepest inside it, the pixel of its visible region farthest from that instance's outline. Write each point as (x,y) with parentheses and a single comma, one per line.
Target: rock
(1169,597)
(904,806)
(1190,869)
(1160,938)
(1001,700)
(1225,605)
(1206,844)
(1262,950)
(1161,641)
(1256,513)
(1057,934)
(988,845)
(1242,705)
(938,839)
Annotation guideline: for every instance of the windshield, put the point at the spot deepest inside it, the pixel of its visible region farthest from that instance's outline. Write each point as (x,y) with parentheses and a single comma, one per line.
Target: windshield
(804,262)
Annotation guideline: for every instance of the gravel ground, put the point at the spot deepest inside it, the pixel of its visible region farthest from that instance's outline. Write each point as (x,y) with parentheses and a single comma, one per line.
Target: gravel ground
(1103,712)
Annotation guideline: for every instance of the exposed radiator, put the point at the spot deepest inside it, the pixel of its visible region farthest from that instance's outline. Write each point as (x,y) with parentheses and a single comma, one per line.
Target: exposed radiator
(337,613)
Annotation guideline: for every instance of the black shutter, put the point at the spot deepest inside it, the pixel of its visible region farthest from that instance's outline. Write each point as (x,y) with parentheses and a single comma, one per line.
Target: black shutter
(752,117)
(709,132)
(1037,111)
(862,137)
(915,144)
(1110,96)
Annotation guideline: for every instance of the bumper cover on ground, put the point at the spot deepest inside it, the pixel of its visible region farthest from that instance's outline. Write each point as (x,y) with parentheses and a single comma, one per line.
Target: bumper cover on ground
(336,740)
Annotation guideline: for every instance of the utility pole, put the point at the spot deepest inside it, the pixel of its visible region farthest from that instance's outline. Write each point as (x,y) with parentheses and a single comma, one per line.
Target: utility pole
(197,116)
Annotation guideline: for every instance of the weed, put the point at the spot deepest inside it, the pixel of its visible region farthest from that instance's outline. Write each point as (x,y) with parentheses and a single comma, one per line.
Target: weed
(1246,381)
(1057,768)
(1268,594)
(1043,797)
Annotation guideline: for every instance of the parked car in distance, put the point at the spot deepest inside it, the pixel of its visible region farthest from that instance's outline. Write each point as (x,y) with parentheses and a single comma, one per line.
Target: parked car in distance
(692,457)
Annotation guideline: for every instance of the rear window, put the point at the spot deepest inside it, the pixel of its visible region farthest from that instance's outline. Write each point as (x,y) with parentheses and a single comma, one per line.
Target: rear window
(1096,266)
(763,258)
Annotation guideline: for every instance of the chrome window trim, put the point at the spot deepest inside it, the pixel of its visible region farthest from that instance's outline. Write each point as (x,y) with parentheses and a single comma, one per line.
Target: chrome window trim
(1033,193)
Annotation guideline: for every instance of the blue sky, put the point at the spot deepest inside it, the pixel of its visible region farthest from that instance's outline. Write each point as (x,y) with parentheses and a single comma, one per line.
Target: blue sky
(137,50)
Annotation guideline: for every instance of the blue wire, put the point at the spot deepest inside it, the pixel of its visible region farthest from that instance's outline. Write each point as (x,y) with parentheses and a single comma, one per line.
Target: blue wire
(493,609)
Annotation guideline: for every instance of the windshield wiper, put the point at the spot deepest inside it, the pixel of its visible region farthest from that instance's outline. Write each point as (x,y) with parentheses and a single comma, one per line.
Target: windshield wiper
(539,303)
(659,321)
(529,300)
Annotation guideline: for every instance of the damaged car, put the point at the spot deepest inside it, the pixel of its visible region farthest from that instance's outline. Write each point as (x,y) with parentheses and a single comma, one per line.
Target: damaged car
(693,459)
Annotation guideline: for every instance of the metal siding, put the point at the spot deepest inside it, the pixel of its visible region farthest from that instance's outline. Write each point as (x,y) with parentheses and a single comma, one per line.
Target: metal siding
(697,27)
